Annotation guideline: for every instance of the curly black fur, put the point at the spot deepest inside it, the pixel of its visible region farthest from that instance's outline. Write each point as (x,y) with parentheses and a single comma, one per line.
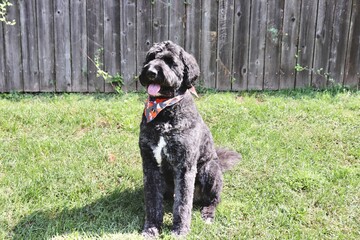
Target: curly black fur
(177,149)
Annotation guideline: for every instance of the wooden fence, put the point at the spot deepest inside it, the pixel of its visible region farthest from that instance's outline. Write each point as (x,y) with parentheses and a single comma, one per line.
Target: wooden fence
(239,44)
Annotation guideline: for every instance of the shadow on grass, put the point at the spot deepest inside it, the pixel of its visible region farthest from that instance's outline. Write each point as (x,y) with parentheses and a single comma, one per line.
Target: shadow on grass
(120,212)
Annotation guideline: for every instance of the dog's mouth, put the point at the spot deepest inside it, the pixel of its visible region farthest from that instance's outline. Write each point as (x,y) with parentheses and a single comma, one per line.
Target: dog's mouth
(156,90)
(153,89)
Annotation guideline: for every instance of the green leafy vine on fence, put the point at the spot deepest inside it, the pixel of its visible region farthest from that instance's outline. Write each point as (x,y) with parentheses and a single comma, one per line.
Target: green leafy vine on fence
(3,9)
(116,80)
(319,72)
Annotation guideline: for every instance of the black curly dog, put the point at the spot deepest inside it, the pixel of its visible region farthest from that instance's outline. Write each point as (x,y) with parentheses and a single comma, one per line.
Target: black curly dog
(177,149)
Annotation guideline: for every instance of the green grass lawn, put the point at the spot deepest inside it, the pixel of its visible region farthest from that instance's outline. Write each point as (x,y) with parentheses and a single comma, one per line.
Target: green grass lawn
(70,166)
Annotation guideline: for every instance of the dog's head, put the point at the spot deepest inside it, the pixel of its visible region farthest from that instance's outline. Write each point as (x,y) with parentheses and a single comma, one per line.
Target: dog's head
(168,70)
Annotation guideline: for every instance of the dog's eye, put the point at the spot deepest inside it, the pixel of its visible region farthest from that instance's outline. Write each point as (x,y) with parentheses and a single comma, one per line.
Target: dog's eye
(150,56)
(168,60)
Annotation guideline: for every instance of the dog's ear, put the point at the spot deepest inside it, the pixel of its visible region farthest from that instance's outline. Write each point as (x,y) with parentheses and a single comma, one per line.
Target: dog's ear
(191,68)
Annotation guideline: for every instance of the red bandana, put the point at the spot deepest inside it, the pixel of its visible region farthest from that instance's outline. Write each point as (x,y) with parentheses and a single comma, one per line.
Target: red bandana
(154,107)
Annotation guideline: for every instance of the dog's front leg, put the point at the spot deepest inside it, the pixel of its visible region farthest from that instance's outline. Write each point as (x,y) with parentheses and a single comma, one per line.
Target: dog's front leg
(184,193)
(154,189)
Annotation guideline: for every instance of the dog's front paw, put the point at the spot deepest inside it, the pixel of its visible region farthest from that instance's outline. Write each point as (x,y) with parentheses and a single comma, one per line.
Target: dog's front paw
(150,233)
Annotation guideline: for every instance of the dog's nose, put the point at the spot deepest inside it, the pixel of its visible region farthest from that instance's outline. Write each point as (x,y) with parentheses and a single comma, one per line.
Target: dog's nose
(151,73)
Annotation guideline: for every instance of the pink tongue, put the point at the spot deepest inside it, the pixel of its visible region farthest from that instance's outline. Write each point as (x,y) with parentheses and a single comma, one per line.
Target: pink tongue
(153,89)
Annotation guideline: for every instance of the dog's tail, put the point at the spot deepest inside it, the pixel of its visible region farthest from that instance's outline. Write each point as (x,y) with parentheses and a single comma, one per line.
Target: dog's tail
(227,158)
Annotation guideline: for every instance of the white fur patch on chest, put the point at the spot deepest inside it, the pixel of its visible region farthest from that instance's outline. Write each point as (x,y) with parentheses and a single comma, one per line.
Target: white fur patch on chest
(158,149)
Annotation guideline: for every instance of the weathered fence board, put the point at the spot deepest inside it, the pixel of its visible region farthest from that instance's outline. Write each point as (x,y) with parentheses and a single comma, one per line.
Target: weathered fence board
(144,33)
(78,46)
(290,35)
(128,41)
(2,62)
(339,40)
(192,34)
(209,43)
(177,22)
(306,42)
(95,44)
(275,16)
(352,73)
(60,46)
(112,59)
(29,46)
(240,45)
(160,20)
(13,52)
(257,44)
(46,43)
(323,39)
(225,40)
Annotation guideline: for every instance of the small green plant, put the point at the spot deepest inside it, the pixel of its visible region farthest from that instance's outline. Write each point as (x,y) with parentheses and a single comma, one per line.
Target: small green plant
(319,72)
(116,81)
(300,68)
(3,9)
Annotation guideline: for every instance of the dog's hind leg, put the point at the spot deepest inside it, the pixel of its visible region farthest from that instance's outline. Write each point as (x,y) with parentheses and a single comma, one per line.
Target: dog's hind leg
(211,181)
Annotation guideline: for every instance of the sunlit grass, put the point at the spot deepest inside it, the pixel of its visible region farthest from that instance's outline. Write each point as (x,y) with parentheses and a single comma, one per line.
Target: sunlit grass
(70,166)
